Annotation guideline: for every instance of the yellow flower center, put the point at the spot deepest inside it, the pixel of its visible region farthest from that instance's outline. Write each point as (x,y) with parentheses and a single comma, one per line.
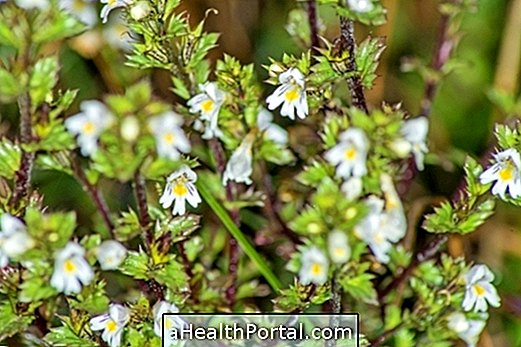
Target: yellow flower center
(316,269)
(291,95)
(480,291)
(88,128)
(506,173)
(207,105)
(339,251)
(168,138)
(378,239)
(350,153)
(111,326)
(112,2)
(180,189)
(69,266)
(168,323)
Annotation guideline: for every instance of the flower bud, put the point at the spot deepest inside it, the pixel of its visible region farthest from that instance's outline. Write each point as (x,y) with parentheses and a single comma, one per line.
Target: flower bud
(401,147)
(140,10)
(130,129)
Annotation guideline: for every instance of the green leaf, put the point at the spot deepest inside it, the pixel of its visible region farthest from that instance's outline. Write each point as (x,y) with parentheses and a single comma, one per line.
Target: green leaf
(10,86)
(309,222)
(273,153)
(54,229)
(245,245)
(180,88)
(62,25)
(367,57)
(35,288)
(10,157)
(442,220)
(43,79)
(360,287)
(12,323)
(136,265)
(172,275)
(64,336)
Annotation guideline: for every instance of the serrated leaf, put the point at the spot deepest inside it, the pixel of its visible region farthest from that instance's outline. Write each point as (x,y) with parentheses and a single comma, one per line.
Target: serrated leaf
(136,265)
(43,79)
(63,336)
(367,57)
(360,288)
(10,87)
(10,157)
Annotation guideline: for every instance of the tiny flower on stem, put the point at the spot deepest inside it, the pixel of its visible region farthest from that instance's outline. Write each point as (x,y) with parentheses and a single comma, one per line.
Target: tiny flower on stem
(112,324)
(479,290)
(291,94)
(170,138)
(14,239)
(110,254)
(467,329)
(415,133)
(32,4)
(239,167)
(208,103)
(93,119)
(352,188)
(180,187)
(361,6)
(71,270)
(111,5)
(171,321)
(84,10)
(350,154)
(505,172)
(338,247)
(271,130)
(314,267)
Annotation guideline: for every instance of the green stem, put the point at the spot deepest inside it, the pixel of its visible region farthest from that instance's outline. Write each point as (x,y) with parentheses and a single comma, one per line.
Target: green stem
(239,236)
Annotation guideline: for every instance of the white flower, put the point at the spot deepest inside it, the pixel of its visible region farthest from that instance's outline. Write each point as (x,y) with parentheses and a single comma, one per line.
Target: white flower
(314,267)
(84,10)
(506,172)
(239,167)
(208,103)
(14,239)
(350,154)
(415,132)
(170,138)
(360,5)
(467,329)
(117,35)
(352,188)
(394,219)
(171,321)
(110,254)
(30,4)
(382,227)
(112,324)
(110,5)
(479,290)
(179,188)
(271,130)
(93,119)
(338,247)
(291,94)
(71,270)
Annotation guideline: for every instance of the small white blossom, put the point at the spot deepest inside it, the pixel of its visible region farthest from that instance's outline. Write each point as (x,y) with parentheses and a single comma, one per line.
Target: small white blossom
(271,130)
(171,321)
(361,6)
(180,187)
(479,289)
(350,154)
(110,254)
(93,119)
(129,128)
(384,225)
(314,267)
(352,188)
(415,133)
(208,103)
(468,330)
(239,167)
(170,138)
(32,4)
(291,94)
(338,247)
(506,172)
(71,270)
(14,239)
(84,10)
(112,324)
(110,5)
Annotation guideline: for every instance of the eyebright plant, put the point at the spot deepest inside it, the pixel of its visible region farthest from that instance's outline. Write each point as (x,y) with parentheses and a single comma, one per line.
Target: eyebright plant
(232,210)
